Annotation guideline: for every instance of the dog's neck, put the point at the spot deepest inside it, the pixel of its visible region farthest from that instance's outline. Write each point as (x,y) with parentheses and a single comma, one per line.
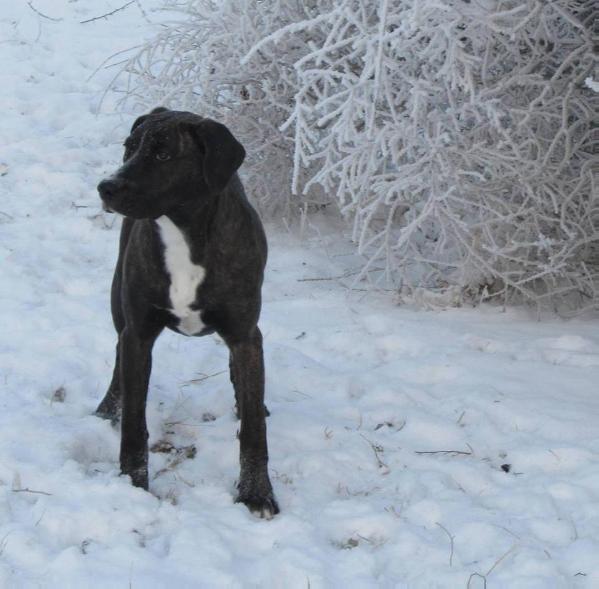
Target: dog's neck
(193,216)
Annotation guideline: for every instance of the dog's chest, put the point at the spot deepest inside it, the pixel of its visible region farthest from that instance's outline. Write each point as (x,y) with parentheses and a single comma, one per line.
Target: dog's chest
(185,276)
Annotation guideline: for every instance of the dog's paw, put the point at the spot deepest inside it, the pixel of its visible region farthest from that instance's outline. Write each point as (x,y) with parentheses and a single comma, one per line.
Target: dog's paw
(109,408)
(137,470)
(264,507)
(113,416)
(139,476)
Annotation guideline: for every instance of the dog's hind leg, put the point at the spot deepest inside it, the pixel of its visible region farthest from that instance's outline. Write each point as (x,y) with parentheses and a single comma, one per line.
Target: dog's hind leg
(247,363)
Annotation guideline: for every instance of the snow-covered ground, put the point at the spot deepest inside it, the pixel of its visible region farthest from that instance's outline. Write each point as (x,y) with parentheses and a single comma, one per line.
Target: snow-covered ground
(407,448)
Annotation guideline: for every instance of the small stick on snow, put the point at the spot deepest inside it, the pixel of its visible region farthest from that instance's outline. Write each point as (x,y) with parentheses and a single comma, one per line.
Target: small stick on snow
(4,541)
(497,562)
(507,530)
(377,449)
(108,13)
(326,278)
(477,575)
(40,518)
(26,490)
(501,558)
(41,13)
(444,452)
(201,379)
(450,542)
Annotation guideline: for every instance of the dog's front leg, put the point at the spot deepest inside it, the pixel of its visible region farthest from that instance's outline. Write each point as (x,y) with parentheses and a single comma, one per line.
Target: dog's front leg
(254,486)
(136,364)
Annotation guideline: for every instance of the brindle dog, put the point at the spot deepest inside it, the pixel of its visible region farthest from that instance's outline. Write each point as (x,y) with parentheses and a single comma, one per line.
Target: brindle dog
(191,258)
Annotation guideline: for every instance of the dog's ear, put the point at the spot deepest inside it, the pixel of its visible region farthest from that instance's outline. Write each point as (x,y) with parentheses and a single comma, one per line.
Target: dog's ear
(222,154)
(141,119)
(138,122)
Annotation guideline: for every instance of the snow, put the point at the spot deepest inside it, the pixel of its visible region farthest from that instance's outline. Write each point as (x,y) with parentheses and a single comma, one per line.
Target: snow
(592,84)
(390,431)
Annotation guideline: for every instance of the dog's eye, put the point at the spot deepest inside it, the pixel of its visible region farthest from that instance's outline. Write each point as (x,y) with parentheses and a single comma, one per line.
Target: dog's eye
(162,156)
(129,149)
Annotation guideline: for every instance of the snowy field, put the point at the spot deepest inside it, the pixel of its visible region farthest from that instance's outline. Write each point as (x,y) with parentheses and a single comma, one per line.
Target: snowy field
(407,448)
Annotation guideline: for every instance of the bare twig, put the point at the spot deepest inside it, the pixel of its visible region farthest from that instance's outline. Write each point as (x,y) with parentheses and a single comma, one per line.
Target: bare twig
(108,13)
(496,563)
(26,490)
(472,576)
(143,12)
(40,518)
(377,451)
(202,378)
(327,278)
(508,531)
(450,542)
(453,452)
(4,542)
(500,559)
(41,13)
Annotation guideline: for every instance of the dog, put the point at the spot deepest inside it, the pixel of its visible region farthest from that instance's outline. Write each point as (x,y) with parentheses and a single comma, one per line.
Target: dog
(191,258)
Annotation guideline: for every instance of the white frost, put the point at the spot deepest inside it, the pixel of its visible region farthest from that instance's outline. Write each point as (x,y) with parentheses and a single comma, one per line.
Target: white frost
(592,84)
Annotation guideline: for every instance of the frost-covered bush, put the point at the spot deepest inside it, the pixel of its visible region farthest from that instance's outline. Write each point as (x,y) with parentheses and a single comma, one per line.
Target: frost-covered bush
(457,137)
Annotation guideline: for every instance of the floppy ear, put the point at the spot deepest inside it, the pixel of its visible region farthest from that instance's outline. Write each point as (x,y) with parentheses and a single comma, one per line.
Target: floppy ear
(141,119)
(138,122)
(222,153)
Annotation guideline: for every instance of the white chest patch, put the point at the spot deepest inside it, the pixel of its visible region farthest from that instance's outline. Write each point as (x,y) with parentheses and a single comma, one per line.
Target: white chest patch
(185,276)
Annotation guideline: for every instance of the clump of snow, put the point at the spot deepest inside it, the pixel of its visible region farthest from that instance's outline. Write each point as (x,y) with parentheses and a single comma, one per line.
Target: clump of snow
(592,84)
(389,427)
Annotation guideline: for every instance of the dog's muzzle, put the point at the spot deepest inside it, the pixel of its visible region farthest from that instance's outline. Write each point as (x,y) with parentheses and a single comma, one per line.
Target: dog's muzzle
(109,190)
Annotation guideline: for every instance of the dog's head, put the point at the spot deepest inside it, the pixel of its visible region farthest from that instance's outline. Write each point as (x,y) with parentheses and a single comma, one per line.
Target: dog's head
(171,158)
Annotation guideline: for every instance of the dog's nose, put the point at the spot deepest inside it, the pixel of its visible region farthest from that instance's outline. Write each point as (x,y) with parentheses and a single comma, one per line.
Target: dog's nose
(108,188)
